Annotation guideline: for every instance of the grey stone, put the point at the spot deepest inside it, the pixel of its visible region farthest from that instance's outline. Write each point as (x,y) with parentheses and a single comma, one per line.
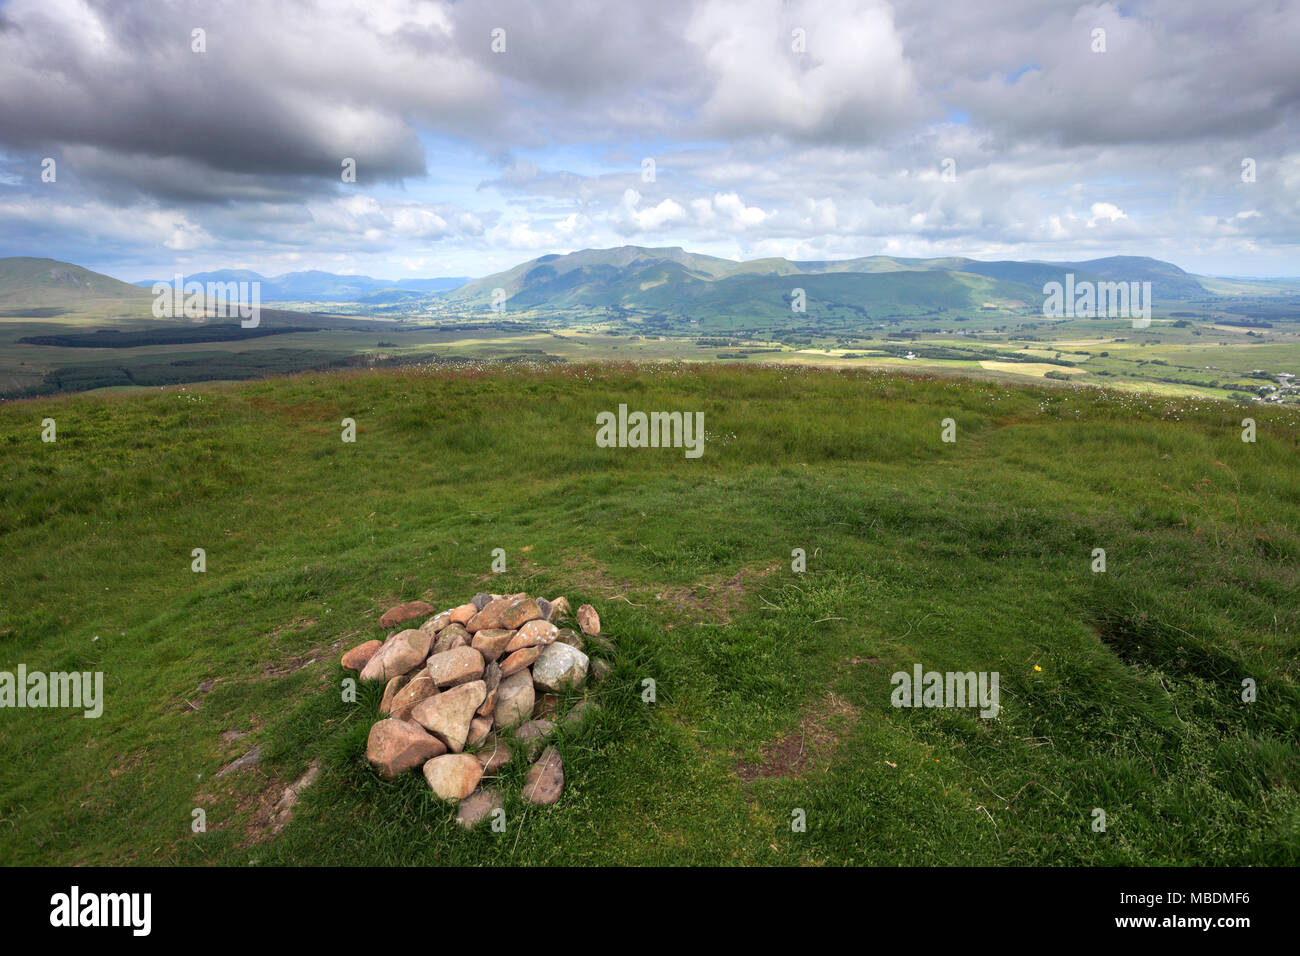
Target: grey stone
(560,668)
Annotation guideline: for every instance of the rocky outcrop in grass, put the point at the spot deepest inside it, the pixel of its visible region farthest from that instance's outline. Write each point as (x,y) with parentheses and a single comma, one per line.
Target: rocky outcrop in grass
(475,686)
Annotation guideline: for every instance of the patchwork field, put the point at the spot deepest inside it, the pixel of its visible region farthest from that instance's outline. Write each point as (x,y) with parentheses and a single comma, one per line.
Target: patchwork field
(1172,356)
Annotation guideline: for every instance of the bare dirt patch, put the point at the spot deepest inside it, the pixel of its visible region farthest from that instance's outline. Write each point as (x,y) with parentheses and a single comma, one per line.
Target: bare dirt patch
(297,662)
(715,602)
(322,652)
(270,818)
(298,413)
(266,807)
(812,742)
(587,575)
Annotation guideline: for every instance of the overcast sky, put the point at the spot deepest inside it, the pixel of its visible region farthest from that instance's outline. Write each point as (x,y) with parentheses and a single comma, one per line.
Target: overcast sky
(811,130)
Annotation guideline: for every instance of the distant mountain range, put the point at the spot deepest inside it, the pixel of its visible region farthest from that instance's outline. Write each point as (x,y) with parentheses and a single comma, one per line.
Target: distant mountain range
(667,281)
(673,280)
(317,286)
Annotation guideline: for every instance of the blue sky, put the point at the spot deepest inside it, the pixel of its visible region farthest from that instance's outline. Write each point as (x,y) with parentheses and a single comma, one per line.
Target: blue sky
(812,130)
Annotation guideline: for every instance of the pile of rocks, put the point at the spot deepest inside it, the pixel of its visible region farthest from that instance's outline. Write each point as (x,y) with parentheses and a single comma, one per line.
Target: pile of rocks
(462,681)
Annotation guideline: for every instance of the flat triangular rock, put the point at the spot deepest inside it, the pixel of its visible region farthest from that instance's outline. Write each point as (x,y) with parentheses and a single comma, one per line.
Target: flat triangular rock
(447,716)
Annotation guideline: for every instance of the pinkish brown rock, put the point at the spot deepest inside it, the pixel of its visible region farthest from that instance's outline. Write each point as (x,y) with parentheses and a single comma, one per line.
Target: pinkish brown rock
(451,637)
(491,679)
(532,733)
(545,781)
(520,611)
(359,656)
(418,688)
(493,754)
(399,654)
(479,728)
(453,776)
(405,612)
(391,690)
(490,642)
(479,806)
(588,619)
(458,666)
(462,614)
(519,660)
(448,715)
(509,613)
(533,634)
(395,746)
(514,700)
(489,618)
(436,623)
(559,609)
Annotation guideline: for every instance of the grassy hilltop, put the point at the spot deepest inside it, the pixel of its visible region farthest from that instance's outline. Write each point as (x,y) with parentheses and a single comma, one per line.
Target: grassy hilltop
(1119,690)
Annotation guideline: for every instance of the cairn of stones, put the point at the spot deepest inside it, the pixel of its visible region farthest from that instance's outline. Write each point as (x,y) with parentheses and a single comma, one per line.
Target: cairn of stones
(474,685)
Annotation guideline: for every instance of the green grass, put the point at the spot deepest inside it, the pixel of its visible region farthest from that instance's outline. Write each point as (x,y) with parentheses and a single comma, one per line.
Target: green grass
(1119,691)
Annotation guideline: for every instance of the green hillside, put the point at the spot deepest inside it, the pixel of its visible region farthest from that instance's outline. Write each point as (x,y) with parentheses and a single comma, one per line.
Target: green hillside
(706,288)
(631,277)
(1121,691)
(49,283)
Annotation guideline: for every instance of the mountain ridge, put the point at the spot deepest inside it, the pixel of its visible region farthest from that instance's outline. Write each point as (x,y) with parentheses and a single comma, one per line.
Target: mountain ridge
(651,279)
(670,278)
(321,286)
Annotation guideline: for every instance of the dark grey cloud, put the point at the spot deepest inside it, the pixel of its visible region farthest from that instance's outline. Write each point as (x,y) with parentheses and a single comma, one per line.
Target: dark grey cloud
(806,127)
(1172,71)
(277,93)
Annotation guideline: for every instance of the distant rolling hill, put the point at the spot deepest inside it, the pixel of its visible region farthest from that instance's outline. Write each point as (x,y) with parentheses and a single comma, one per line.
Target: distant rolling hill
(673,280)
(317,286)
(48,284)
(58,293)
(664,281)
